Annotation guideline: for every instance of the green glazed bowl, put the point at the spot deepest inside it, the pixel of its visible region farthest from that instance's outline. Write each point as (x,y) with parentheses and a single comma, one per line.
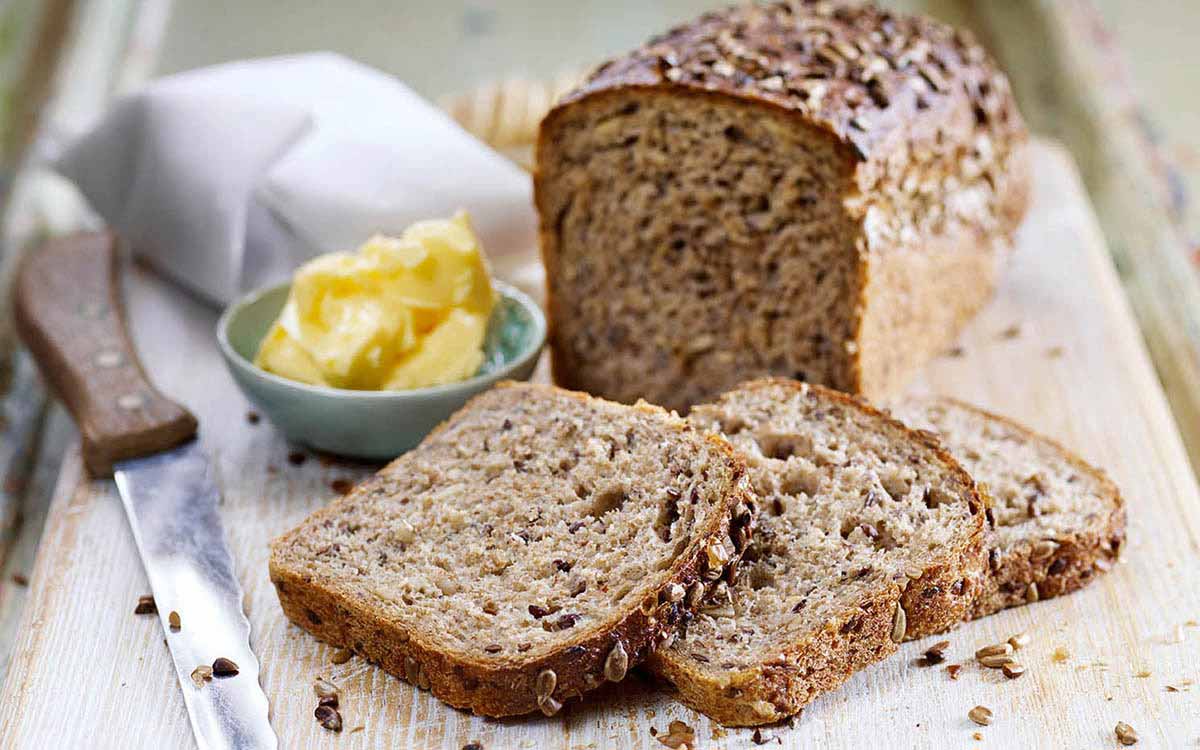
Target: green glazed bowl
(373,425)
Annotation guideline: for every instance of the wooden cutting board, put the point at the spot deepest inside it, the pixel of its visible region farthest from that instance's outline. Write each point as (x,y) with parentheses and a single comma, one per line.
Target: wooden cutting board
(1057,349)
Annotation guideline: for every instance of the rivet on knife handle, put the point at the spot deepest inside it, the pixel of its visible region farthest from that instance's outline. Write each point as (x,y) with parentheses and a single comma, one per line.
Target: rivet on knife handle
(68,312)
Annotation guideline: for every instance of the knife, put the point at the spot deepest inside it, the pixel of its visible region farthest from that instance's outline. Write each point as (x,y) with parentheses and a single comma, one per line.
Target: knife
(68,312)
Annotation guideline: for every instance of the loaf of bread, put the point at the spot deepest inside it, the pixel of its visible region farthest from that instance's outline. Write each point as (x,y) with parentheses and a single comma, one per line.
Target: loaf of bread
(869,533)
(1058,521)
(818,190)
(536,545)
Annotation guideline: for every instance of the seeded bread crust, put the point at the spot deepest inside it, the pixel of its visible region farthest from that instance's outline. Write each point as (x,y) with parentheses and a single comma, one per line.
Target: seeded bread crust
(932,182)
(938,597)
(338,614)
(1022,572)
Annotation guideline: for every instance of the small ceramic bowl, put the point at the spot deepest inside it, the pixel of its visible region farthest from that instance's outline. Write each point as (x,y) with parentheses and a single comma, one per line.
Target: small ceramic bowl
(372,424)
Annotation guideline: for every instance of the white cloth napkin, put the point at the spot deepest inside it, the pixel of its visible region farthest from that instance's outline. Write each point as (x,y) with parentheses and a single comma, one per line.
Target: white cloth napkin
(226,178)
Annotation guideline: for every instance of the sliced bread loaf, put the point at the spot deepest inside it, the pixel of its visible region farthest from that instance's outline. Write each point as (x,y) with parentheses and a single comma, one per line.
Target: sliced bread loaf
(868,533)
(1057,520)
(866,162)
(535,545)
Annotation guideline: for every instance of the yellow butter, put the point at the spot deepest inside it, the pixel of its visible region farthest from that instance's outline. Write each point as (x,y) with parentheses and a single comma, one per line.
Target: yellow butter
(398,313)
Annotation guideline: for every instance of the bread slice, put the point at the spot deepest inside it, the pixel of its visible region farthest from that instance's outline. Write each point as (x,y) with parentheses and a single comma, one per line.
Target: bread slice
(1057,519)
(868,533)
(536,544)
(689,192)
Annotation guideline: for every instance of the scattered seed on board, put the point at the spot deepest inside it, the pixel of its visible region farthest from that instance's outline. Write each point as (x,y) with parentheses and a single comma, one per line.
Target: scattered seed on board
(954,669)
(1013,671)
(202,674)
(329,717)
(327,692)
(997,661)
(678,735)
(935,654)
(145,605)
(981,715)
(899,624)
(1126,734)
(758,738)
(341,656)
(1060,655)
(1020,640)
(174,621)
(996,649)
(222,667)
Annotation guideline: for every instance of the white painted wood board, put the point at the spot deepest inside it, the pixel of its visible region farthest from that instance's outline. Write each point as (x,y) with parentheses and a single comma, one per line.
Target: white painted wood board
(87,673)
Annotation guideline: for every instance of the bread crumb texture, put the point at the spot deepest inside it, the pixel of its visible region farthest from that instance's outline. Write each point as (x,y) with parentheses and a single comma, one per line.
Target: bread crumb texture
(536,530)
(1058,521)
(868,534)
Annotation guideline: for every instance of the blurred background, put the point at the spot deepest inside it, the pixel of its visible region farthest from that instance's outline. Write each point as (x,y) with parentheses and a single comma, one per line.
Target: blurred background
(1113,80)
(450,46)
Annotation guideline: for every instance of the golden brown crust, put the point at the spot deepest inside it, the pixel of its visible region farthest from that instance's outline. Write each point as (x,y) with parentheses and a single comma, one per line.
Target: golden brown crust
(910,100)
(331,612)
(940,598)
(1091,549)
(863,73)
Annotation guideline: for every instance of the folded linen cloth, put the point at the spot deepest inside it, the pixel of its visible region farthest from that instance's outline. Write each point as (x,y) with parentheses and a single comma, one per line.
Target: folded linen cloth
(226,178)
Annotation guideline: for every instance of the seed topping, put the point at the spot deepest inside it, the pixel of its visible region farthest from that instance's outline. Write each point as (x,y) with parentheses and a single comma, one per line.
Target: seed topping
(899,623)
(549,706)
(547,680)
(616,663)
(145,605)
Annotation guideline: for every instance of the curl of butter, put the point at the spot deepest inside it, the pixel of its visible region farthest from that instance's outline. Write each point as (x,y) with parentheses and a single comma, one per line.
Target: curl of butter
(397,313)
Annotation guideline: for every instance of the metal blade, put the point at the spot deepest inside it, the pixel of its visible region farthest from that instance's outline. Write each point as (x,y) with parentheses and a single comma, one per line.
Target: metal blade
(172,506)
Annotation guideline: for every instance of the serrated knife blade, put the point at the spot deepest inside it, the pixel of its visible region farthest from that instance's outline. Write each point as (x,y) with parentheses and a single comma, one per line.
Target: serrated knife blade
(67,311)
(171,502)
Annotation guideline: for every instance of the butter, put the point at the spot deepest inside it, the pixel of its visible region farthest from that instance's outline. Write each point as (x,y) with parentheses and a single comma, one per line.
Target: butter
(398,313)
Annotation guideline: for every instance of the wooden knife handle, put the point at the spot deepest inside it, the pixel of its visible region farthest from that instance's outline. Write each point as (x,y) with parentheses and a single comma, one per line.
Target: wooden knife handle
(68,312)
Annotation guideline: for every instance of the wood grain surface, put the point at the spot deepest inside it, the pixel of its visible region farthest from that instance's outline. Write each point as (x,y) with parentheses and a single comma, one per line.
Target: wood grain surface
(86,672)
